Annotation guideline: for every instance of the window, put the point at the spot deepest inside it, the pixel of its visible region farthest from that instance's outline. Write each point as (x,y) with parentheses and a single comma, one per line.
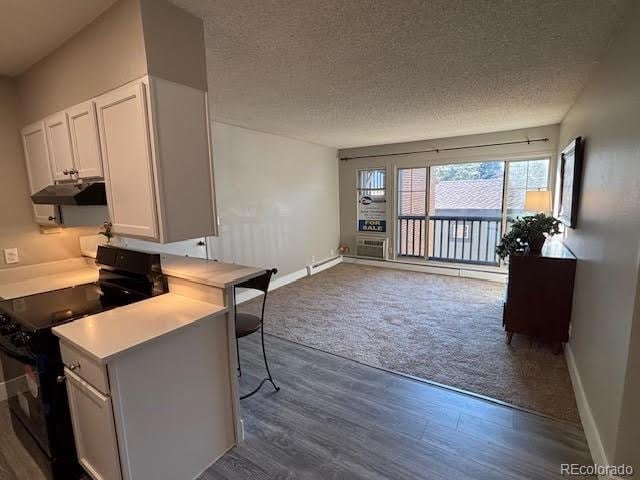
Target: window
(412,208)
(372,182)
(524,176)
(372,200)
(465,212)
(412,191)
(460,232)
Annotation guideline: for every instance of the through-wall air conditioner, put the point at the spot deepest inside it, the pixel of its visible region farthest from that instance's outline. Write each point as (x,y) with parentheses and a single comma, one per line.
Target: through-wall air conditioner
(371,247)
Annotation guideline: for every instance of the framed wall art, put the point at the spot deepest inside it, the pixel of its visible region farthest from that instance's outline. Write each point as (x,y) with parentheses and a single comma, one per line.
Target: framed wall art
(571,160)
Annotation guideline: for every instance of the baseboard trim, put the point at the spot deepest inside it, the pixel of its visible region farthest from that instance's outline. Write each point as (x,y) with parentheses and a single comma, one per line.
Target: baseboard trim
(319,267)
(246,295)
(450,271)
(586,416)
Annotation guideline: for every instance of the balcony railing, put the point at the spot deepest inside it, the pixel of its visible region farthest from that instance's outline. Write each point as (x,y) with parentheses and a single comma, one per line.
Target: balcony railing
(451,239)
(412,236)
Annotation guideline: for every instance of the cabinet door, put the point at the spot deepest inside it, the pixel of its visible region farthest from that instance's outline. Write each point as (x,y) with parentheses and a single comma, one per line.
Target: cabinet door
(93,429)
(127,160)
(36,155)
(59,141)
(84,140)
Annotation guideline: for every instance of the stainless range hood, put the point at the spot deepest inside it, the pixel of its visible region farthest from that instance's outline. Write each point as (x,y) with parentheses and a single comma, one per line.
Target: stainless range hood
(89,193)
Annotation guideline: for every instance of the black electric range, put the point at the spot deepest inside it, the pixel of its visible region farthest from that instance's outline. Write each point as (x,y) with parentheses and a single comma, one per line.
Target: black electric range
(30,353)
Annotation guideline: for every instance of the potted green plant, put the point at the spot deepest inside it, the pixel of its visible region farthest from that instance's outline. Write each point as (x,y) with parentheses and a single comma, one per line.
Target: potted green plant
(107,231)
(527,235)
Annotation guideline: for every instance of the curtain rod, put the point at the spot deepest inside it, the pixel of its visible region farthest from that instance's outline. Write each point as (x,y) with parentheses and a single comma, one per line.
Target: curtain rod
(438,150)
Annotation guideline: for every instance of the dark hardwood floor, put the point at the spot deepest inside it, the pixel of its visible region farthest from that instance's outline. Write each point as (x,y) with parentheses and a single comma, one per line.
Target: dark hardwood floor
(337,419)
(334,418)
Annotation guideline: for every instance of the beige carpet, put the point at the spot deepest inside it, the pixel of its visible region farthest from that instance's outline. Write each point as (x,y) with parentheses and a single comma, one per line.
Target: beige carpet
(440,328)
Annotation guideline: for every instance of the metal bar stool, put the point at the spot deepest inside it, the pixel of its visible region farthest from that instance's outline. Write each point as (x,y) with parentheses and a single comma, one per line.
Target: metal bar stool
(246,324)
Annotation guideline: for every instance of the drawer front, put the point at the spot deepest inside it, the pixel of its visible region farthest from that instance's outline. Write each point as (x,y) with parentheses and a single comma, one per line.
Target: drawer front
(86,368)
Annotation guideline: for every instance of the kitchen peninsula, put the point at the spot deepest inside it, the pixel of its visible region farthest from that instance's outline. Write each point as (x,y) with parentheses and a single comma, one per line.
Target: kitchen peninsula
(152,384)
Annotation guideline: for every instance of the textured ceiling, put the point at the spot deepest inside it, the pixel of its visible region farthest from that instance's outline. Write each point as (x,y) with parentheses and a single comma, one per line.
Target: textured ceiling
(354,72)
(31,29)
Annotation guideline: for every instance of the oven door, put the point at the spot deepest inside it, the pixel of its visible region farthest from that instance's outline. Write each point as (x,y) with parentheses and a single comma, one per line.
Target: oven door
(23,377)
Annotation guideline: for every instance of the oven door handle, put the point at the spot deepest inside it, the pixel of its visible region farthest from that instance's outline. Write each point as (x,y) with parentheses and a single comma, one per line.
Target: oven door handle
(16,356)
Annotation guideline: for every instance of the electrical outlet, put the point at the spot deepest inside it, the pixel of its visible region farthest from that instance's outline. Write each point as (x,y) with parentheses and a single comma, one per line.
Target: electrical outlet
(313,259)
(333,252)
(11,255)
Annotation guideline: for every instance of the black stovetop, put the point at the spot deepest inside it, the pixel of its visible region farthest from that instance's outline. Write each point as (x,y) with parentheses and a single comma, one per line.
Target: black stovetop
(46,310)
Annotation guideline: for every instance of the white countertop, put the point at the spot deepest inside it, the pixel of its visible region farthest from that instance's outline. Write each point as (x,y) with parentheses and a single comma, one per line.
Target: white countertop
(196,270)
(207,272)
(48,282)
(105,335)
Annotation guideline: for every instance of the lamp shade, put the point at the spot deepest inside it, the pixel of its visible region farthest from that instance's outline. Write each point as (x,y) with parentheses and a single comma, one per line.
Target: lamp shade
(538,201)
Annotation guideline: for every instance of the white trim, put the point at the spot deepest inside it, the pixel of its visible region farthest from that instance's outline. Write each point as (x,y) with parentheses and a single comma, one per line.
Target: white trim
(450,271)
(246,295)
(586,416)
(319,267)
(480,275)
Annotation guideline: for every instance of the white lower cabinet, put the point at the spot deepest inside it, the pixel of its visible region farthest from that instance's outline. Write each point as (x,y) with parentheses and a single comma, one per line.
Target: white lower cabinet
(93,428)
(164,410)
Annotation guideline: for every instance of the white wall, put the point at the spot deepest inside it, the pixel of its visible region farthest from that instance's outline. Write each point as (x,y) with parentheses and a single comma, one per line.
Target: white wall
(17,225)
(277,199)
(606,242)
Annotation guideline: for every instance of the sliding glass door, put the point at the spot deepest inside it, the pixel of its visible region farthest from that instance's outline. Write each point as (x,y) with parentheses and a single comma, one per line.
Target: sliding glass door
(465,212)
(457,212)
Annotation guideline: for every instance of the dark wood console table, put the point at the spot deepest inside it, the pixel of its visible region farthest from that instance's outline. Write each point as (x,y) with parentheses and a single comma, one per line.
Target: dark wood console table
(540,293)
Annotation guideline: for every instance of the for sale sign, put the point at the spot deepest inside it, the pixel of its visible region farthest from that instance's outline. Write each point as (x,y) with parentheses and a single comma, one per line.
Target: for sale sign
(372,214)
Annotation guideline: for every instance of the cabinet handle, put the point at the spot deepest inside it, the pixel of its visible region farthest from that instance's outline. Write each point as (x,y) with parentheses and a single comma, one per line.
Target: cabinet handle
(51,219)
(66,172)
(73,171)
(73,367)
(61,379)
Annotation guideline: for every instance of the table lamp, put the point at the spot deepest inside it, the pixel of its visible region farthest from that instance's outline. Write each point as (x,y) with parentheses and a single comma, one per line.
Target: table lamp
(538,201)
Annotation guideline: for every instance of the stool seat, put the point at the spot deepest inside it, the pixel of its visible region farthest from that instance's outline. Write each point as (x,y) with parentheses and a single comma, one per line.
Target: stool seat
(246,324)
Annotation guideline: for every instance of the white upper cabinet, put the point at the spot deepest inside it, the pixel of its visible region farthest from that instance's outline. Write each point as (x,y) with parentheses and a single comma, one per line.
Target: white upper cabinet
(59,141)
(154,139)
(36,155)
(128,168)
(85,146)
(150,141)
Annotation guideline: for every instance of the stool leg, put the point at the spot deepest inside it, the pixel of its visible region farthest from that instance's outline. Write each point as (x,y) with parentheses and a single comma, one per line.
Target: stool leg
(266,364)
(238,354)
(264,380)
